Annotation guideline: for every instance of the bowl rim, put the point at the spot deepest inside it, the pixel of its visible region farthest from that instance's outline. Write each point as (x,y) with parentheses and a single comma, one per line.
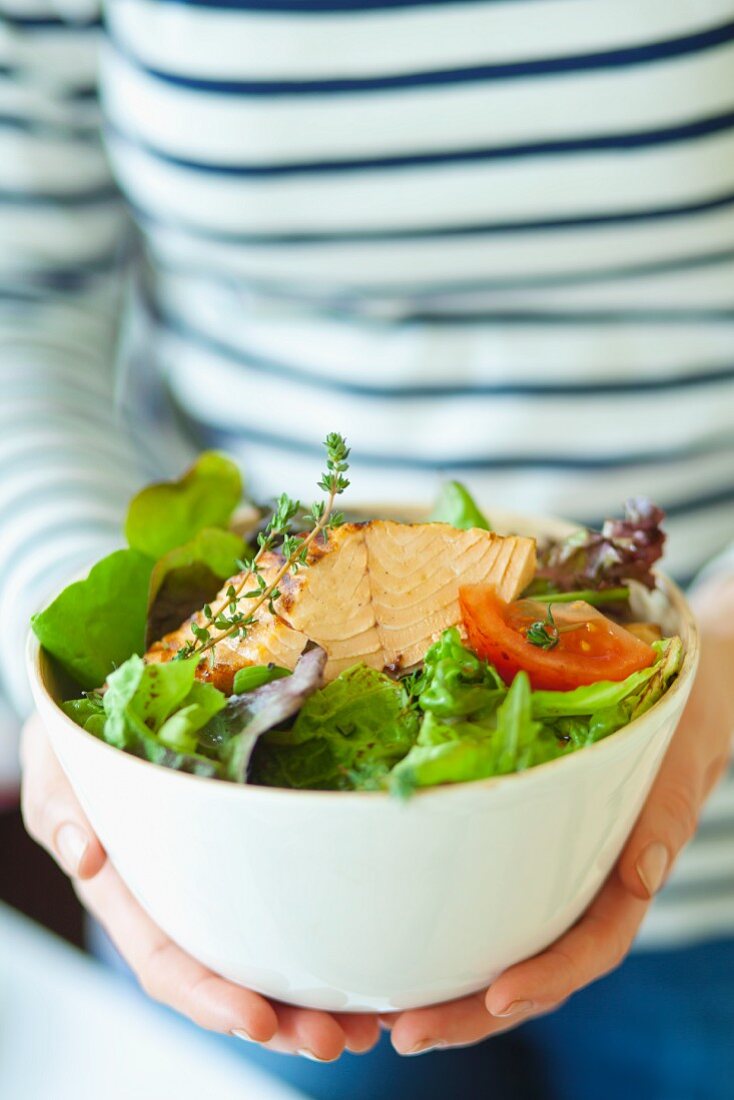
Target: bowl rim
(36,657)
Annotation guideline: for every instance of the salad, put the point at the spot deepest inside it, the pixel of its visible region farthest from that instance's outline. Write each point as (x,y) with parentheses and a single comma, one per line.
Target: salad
(300,648)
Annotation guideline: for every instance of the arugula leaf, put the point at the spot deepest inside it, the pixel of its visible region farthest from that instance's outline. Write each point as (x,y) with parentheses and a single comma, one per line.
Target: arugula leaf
(189,576)
(95,624)
(171,513)
(361,719)
(456,506)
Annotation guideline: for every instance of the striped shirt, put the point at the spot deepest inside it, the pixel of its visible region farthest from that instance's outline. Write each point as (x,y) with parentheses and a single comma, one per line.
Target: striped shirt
(491,239)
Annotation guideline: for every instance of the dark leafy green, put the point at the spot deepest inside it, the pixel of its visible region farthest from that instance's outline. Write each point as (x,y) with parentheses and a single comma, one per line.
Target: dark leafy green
(455,505)
(95,624)
(170,514)
(189,576)
(346,735)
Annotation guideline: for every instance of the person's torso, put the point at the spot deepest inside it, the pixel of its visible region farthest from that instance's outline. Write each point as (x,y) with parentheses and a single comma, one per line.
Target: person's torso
(487,238)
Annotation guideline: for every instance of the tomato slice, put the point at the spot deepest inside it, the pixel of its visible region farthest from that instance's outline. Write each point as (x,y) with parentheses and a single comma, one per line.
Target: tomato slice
(589,646)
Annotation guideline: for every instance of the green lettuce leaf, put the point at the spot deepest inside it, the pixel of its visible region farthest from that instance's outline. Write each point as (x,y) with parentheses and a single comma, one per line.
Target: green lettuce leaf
(455,752)
(345,735)
(169,514)
(87,712)
(455,682)
(95,624)
(254,676)
(456,506)
(156,711)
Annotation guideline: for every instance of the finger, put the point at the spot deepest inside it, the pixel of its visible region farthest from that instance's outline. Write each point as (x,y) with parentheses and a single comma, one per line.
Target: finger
(697,757)
(166,972)
(593,947)
(361,1032)
(456,1023)
(52,815)
(308,1032)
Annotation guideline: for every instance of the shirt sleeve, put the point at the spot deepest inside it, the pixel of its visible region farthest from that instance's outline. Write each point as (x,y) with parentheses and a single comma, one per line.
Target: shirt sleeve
(67,464)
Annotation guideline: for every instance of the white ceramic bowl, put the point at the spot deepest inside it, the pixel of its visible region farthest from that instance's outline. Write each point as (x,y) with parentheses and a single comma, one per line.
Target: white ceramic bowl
(355,901)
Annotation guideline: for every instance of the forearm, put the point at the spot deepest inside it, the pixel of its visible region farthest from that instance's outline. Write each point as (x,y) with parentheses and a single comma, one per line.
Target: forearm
(66,466)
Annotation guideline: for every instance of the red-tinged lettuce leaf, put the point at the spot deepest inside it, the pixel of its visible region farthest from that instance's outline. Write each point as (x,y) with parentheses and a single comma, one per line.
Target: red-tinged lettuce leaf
(624,550)
(171,513)
(94,625)
(236,729)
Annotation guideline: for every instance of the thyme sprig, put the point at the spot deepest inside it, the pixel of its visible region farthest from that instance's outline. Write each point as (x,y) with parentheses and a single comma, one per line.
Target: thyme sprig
(544,633)
(231,618)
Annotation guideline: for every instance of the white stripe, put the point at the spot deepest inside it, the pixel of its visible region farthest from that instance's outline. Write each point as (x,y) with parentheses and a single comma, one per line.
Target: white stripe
(442,195)
(62,9)
(63,166)
(44,104)
(687,922)
(228,128)
(709,286)
(251,45)
(54,56)
(705,860)
(36,237)
(441,259)
(353,349)
(458,427)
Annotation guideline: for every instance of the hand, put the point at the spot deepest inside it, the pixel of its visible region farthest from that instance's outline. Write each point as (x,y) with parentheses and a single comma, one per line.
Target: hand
(55,819)
(598,943)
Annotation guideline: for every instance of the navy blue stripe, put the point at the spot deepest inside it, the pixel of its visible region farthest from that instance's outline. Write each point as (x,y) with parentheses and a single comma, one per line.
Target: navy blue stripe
(292,373)
(43,128)
(439,232)
(76,277)
(604,59)
(305,7)
(93,196)
(642,139)
(82,94)
(352,294)
(552,460)
(687,506)
(50,22)
(668,315)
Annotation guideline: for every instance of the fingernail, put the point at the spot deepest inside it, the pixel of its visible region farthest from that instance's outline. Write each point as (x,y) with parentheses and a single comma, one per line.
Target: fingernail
(426,1046)
(71,843)
(240,1033)
(652,865)
(514,1009)
(386,1023)
(306,1053)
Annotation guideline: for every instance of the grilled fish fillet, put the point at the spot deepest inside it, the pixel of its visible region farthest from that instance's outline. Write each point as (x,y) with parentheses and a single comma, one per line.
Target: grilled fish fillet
(376,593)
